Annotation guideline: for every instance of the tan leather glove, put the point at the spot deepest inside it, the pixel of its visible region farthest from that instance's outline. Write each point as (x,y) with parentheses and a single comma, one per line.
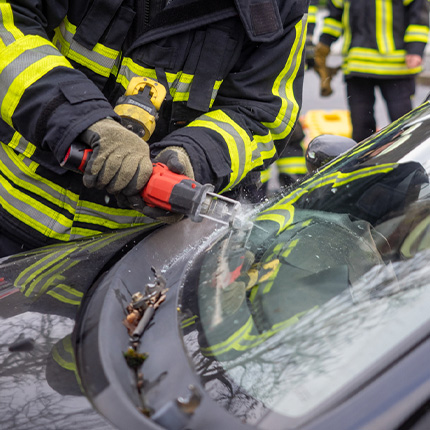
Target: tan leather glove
(120,162)
(178,161)
(326,74)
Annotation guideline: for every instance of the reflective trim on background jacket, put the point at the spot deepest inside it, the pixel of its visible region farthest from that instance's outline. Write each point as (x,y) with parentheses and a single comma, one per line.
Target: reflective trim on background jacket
(377,35)
(217,65)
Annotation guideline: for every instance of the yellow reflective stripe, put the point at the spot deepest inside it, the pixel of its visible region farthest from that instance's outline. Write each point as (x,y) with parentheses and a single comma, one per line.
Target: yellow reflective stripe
(249,340)
(129,69)
(265,175)
(103,50)
(384,26)
(112,224)
(339,179)
(333,27)
(312,14)
(100,60)
(189,321)
(417,33)
(70,363)
(23,216)
(180,87)
(22,145)
(270,277)
(10,32)
(287,115)
(30,283)
(41,186)
(283,88)
(47,282)
(367,54)
(282,215)
(415,238)
(347,35)
(265,150)
(365,60)
(338,3)
(56,293)
(240,148)
(407,2)
(45,56)
(28,77)
(388,69)
(62,362)
(292,165)
(226,345)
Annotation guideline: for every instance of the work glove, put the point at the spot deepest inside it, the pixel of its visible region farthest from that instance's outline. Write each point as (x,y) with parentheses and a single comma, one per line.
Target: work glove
(325,73)
(120,162)
(177,160)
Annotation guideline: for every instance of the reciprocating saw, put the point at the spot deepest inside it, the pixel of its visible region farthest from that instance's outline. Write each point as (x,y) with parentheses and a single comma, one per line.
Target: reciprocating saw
(167,190)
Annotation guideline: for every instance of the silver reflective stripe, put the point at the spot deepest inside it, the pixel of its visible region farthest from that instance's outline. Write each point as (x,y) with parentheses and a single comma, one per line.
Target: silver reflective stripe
(238,158)
(20,187)
(100,60)
(22,145)
(22,62)
(285,86)
(7,29)
(264,147)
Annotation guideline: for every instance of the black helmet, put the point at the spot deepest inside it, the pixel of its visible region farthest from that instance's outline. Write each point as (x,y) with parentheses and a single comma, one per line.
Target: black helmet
(325,148)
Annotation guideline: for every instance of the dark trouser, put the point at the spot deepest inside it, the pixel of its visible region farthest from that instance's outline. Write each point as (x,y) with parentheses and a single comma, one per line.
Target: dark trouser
(397,94)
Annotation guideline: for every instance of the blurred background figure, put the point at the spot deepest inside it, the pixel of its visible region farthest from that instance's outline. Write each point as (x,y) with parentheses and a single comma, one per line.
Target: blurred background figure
(383,46)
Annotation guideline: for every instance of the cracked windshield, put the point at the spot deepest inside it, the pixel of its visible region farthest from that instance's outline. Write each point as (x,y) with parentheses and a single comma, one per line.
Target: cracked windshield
(324,280)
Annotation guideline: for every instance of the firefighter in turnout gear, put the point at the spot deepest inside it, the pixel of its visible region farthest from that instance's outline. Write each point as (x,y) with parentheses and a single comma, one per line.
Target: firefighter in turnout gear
(233,71)
(383,46)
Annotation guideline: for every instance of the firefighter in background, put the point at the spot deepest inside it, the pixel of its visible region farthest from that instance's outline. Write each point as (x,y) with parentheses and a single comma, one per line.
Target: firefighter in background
(383,46)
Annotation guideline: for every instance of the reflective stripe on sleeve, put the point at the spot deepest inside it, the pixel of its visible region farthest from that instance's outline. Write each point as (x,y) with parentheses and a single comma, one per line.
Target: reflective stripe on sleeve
(238,142)
(8,31)
(332,27)
(100,59)
(417,33)
(22,64)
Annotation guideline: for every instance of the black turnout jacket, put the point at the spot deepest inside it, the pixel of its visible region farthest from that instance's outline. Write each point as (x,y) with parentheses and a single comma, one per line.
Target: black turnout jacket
(233,70)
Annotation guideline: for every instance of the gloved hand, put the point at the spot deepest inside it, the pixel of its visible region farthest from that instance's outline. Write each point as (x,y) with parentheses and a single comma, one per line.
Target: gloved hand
(178,161)
(326,74)
(120,162)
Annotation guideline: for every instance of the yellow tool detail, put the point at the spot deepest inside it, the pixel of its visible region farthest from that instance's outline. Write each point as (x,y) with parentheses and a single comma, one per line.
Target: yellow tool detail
(139,106)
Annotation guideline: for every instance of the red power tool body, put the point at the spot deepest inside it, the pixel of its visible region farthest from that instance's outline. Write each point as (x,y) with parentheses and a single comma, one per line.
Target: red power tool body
(169,191)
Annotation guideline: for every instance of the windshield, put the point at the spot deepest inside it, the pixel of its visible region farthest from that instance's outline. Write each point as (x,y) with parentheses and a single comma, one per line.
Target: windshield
(327,283)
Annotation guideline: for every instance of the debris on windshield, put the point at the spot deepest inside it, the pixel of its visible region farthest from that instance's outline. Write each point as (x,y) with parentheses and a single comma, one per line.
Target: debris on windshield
(143,305)
(134,359)
(139,313)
